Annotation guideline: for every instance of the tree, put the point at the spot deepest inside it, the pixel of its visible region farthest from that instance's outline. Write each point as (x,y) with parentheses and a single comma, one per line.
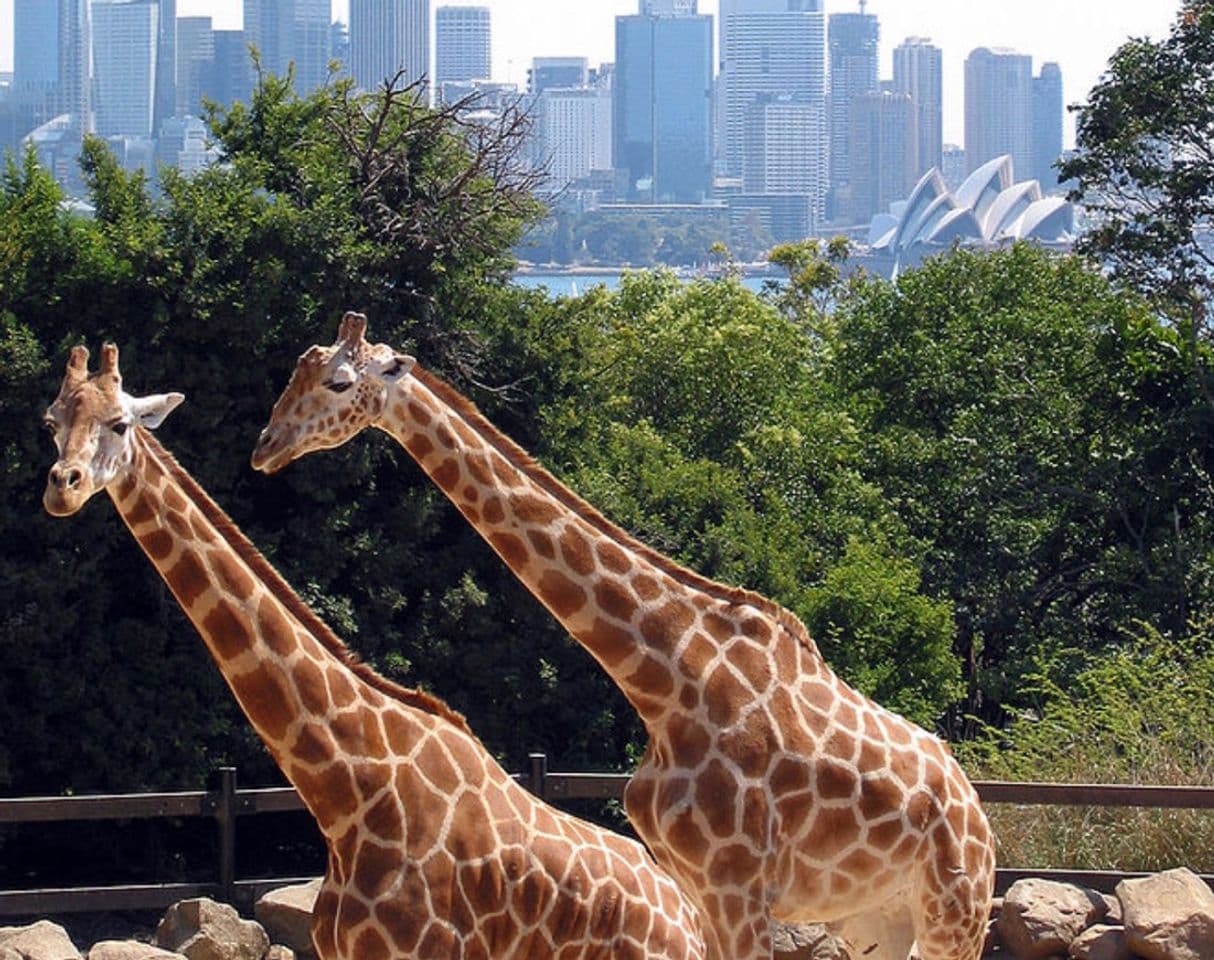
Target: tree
(1144,167)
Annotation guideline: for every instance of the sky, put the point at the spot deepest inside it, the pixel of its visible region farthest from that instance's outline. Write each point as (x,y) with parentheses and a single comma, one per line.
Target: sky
(1078,34)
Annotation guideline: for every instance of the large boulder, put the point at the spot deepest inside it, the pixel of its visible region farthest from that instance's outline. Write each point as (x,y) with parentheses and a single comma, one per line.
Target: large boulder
(205,930)
(1040,918)
(286,913)
(1169,916)
(38,941)
(129,950)
(1101,942)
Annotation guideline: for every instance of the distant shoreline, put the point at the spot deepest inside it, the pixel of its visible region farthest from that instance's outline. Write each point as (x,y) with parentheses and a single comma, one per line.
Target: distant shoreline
(560,270)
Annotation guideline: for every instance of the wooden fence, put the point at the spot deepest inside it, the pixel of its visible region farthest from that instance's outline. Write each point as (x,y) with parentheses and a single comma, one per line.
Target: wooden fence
(226,804)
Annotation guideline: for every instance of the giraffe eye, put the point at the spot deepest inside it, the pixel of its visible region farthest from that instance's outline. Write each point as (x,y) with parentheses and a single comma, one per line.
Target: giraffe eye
(339,386)
(119,427)
(50,426)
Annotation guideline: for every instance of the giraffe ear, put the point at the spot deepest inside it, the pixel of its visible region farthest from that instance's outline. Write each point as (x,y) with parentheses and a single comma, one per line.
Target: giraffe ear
(393,369)
(151,411)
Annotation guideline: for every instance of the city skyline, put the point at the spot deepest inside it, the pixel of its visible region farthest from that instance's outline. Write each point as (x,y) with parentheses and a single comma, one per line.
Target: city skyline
(1080,36)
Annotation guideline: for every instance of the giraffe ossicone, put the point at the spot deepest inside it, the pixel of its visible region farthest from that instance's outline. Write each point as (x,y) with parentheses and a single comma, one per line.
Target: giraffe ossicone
(770,788)
(433,849)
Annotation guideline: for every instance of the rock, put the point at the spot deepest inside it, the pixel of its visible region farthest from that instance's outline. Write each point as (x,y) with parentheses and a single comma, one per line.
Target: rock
(1101,942)
(1169,916)
(205,930)
(1114,916)
(806,941)
(286,914)
(39,941)
(1040,918)
(278,952)
(129,950)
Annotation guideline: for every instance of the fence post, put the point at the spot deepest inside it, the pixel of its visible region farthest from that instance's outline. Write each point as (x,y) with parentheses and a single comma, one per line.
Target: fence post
(538,781)
(225,815)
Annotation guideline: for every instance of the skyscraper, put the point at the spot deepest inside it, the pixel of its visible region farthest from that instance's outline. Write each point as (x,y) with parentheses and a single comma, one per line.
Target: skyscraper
(75,63)
(919,73)
(289,32)
(662,111)
(387,37)
(1047,125)
(36,54)
(784,152)
(165,104)
(231,76)
(575,127)
(563,72)
(461,44)
(126,43)
(852,44)
(774,48)
(999,108)
(882,134)
(195,61)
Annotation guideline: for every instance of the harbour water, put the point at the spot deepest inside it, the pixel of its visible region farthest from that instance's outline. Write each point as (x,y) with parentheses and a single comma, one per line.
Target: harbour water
(575,284)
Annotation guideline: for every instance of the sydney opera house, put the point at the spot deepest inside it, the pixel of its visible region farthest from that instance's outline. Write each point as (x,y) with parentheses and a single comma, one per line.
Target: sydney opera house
(989,209)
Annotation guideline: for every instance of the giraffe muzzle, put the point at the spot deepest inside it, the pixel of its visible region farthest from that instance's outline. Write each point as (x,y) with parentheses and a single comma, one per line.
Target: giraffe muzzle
(67,489)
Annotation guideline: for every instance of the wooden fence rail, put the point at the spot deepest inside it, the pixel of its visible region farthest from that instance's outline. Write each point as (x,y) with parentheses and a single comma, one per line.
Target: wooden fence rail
(226,804)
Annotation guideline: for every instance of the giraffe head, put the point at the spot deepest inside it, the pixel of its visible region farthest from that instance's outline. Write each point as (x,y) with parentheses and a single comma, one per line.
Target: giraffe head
(91,421)
(334,393)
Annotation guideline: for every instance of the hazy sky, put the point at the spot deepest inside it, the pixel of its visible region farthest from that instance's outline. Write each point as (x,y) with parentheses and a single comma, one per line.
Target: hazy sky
(1079,34)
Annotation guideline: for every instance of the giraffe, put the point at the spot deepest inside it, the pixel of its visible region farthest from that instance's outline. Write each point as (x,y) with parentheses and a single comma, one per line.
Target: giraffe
(770,789)
(433,849)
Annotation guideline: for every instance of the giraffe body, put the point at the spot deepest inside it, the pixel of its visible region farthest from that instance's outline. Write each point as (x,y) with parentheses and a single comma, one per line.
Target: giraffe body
(770,789)
(434,850)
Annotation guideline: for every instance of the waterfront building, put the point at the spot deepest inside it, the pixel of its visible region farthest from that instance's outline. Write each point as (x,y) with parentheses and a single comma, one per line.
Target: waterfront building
(1047,125)
(575,125)
(461,44)
(919,74)
(662,110)
(999,108)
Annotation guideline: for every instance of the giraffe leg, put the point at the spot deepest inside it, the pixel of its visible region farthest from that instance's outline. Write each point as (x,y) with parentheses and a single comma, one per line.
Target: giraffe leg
(951,916)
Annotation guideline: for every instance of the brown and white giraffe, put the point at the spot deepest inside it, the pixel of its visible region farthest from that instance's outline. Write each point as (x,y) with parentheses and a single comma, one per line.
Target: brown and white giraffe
(434,850)
(770,788)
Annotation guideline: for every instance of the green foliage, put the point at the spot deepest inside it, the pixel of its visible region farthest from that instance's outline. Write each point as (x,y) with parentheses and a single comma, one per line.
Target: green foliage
(1144,713)
(1143,164)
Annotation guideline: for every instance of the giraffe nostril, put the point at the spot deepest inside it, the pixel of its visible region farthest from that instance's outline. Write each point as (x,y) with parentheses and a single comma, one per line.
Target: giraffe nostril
(74,476)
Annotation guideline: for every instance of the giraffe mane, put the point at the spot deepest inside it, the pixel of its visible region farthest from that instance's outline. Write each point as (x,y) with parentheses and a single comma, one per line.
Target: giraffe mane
(285,593)
(518,458)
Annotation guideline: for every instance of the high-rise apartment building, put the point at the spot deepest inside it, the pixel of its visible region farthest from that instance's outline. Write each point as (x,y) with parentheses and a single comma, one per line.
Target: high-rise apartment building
(662,126)
(461,44)
(1047,125)
(852,46)
(388,37)
(195,62)
(288,32)
(999,108)
(882,134)
(769,48)
(919,74)
(126,44)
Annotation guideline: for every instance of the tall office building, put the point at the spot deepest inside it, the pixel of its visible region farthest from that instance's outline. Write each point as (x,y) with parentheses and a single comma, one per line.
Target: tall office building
(76,63)
(195,62)
(919,73)
(165,104)
(575,132)
(882,133)
(36,52)
(999,109)
(389,37)
(769,48)
(852,45)
(231,76)
(126,44)
(662,112)
(784,149)
(461,44)
(288,32)
(1047,125)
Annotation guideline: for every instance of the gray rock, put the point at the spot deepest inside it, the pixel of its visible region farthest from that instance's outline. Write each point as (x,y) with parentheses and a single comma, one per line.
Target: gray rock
(38,941)
(1169,916)
(806,941)
(205,930)
(1040,918)
(129,950)
(286,914)
(278,952)
(1101,942)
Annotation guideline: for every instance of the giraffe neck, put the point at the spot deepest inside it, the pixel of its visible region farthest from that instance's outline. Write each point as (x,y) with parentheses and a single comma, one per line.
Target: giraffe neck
(324,718)
(649,622)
